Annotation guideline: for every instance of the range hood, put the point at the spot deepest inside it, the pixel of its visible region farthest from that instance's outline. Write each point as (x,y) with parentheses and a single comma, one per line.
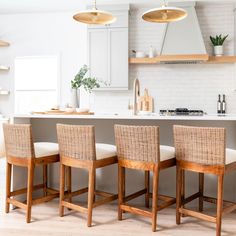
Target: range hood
(183,41)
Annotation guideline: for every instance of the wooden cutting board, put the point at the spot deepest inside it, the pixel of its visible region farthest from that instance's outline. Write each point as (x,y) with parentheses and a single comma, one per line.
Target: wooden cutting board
(58,112)
(145,102)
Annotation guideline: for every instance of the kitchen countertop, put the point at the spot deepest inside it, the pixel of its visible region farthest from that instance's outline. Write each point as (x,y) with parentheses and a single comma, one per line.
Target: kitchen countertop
(213,117)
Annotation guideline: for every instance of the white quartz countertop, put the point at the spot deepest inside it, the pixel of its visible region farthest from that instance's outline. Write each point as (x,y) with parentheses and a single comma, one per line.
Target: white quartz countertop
(213,117)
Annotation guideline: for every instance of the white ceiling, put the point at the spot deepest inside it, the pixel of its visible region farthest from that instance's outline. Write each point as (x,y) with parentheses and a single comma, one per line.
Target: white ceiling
(28,6)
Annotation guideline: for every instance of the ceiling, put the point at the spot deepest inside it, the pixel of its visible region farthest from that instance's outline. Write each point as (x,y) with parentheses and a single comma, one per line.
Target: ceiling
(29,6)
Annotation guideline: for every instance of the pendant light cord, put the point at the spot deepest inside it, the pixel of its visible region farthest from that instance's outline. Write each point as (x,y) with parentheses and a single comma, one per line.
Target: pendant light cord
(165,3)
(95,4)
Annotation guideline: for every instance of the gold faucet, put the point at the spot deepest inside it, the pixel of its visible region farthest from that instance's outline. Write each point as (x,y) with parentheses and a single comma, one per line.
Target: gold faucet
(136,94)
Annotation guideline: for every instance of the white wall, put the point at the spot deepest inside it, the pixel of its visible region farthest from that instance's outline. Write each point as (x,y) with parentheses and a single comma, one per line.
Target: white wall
(42,34)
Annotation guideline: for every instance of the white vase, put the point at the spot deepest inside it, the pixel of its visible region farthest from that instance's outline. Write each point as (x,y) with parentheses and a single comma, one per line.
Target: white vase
(75,95)
(218,51)
(91,101)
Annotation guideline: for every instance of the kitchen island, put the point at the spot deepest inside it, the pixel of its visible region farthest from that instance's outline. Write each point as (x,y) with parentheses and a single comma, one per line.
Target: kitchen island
(44,129)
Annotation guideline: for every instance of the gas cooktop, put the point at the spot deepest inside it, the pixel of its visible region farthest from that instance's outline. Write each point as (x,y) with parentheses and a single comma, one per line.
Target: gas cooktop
(181,112)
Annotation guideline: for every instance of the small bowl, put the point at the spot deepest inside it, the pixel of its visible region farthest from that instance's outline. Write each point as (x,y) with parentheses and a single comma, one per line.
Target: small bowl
(140,54)
(82,110)
(69,109)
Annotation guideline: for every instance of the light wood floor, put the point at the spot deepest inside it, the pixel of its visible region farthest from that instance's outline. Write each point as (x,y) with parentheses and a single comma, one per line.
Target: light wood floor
(46,222)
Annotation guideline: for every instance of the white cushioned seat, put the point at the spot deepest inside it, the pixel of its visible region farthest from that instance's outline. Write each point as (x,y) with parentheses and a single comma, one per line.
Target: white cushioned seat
(166,152)
(43,149)
(230,156)
(105,150)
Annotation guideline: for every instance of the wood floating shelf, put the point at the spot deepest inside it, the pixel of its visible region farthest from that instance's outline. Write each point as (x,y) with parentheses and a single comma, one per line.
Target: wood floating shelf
(4,92)
(4,43)
(146,60)
(222,59)
(183,58)
(6,68)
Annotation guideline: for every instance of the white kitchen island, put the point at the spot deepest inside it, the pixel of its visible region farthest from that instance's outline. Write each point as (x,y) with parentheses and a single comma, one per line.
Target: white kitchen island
(44,129)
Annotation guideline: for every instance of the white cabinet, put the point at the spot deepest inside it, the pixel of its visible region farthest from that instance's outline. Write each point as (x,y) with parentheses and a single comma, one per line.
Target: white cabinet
(98,54)
(108,54)
(118,58)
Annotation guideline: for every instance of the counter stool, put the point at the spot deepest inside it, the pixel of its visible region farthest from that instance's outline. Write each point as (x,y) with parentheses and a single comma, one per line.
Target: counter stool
(78,149)
(21,151)
(138,147)
(202,150)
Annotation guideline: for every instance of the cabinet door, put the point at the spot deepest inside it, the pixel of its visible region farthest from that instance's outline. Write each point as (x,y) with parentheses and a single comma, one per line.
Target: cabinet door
(98,54)
(118,58)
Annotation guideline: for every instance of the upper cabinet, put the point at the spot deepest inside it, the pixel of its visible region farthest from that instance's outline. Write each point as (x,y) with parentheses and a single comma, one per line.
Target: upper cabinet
(108,52)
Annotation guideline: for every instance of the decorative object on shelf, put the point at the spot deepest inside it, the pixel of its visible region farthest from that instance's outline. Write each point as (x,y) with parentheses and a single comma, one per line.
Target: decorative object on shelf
(4,92)
(4,43)
(2,67)
(164,14)
(88,83)
(151,52)
(218,42)
(95,16)
(139,54)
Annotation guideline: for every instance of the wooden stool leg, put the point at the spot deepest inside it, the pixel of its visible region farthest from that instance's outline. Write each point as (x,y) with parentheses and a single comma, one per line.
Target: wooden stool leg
(62,189)
(45,179)
(147,184)
(155,197)
(90,196)
(30,191)
(179,186)
(94,198)
(182,189)
(121,189)
(219,204)
(201,191)
(8,185)
(68,182)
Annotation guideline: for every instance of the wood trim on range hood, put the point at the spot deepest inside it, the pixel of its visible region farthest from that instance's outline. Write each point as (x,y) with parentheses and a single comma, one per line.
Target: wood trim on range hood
(194,58)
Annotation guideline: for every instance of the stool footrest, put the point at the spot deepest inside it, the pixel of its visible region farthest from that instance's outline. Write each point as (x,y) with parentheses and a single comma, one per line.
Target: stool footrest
(191,198)
(214,201)
(45,199)
(135,210)
(17,203)
(135,195)
(76,193)
(51,191)
(24,190)
(166,204)
(105,200)
(103,194)
(74,207)
(198,215)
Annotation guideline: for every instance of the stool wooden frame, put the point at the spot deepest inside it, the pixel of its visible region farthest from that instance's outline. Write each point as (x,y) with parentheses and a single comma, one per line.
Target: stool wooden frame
(129,152)
(21,136)
(79,143)
(212,164)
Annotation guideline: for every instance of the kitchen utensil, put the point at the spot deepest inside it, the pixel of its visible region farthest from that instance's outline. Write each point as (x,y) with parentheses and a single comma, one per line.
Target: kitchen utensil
(145,103)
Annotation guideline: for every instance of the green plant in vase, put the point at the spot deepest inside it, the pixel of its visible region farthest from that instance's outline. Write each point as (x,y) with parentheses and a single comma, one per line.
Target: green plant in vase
(80,80)
(217,43)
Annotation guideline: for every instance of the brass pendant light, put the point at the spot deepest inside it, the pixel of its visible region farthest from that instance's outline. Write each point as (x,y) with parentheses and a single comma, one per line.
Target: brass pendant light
(95,16)
(164,14)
